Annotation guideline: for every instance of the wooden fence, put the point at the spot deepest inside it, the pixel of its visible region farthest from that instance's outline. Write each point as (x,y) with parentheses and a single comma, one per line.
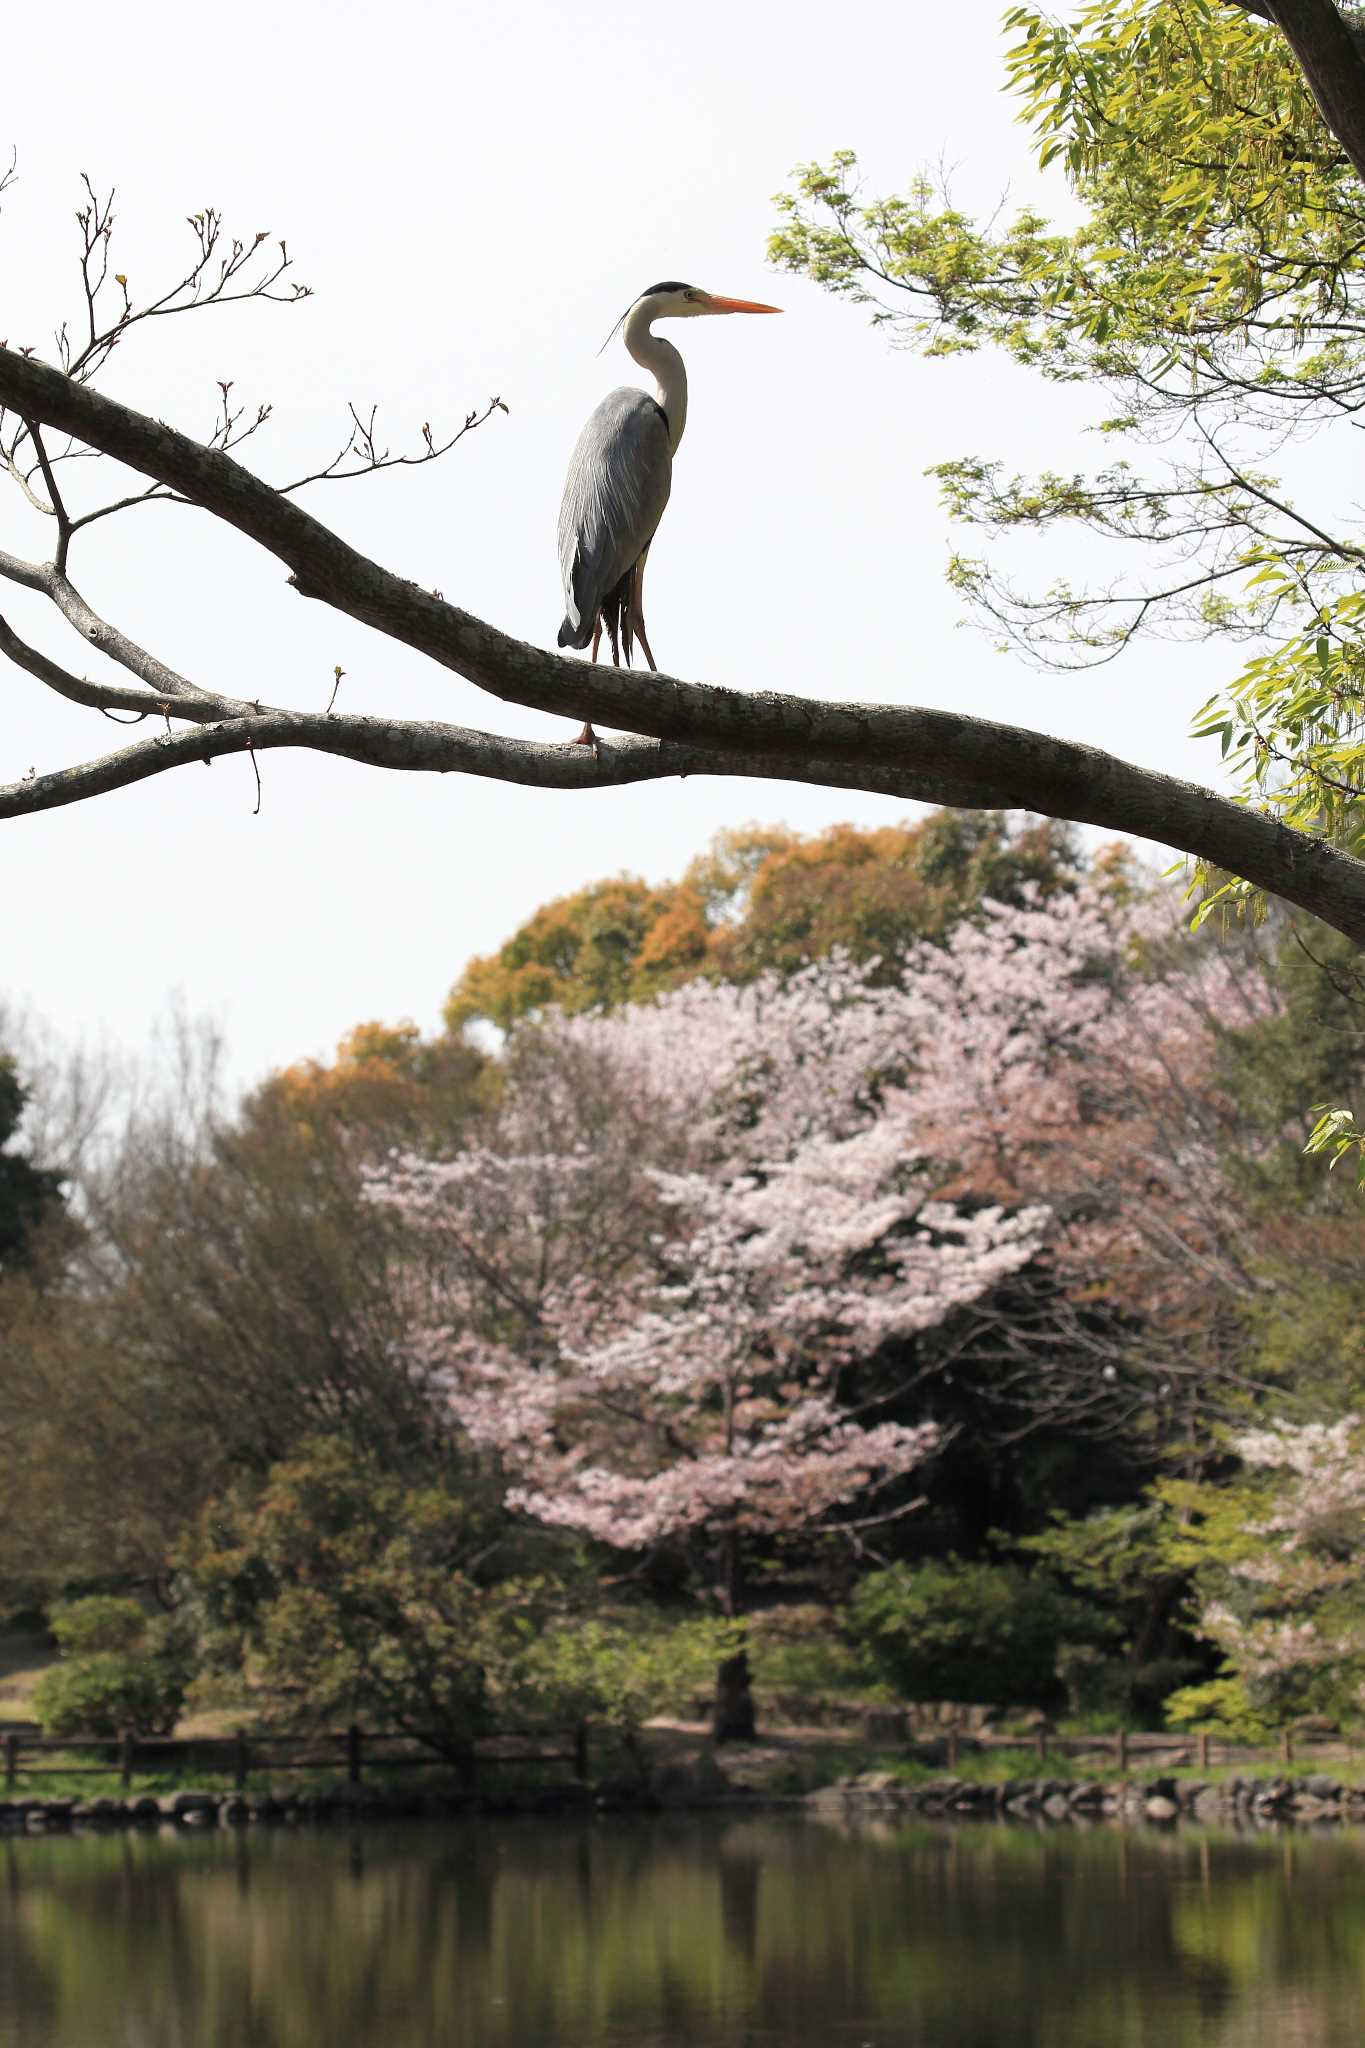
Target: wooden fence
(1125,1748)
(358,1750)
(240,1756)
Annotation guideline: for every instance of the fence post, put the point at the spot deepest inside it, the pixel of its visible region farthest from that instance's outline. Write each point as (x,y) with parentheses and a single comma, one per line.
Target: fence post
(952,1747)
(11,1757)
(241,1760)
(1040,1743)
(353,1741)
(1286,1746)
(580,1752)
(126,1747)
(1203,1749)
(1121,1744)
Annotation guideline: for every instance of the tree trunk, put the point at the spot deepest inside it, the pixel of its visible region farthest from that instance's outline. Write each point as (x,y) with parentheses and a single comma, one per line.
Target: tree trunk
(733,1716)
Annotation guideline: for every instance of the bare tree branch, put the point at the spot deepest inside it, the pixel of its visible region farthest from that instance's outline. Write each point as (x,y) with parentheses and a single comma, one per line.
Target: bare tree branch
(413,744)
(95,631)
(933,756)
(59,511)
(106,697)
(211,280)
(371,457)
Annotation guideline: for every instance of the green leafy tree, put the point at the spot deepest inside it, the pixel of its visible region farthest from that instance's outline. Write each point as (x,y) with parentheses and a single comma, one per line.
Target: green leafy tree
(1114,1561)
(354,1595)
(1276,1552)
(1211,295)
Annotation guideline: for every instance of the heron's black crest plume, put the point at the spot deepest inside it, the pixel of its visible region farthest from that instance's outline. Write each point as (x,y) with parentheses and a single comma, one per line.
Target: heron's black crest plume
(615,330)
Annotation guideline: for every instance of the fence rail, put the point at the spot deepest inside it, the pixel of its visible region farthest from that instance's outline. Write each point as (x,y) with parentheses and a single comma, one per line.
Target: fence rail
(242,1755)
(1125,1747)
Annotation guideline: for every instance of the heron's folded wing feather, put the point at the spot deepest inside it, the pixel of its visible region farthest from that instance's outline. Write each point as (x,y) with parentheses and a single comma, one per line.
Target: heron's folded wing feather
(614,497)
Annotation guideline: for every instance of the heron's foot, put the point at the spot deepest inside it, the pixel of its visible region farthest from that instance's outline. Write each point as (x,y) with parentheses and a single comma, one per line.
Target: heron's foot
(588,738)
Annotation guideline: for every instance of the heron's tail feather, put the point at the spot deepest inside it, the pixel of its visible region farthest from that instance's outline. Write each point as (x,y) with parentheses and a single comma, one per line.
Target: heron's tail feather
(616,617)
(571,635)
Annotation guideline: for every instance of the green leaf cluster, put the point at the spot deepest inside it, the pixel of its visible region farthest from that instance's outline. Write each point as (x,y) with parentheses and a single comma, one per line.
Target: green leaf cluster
(618,1671)
(969,1629)
(1210,293)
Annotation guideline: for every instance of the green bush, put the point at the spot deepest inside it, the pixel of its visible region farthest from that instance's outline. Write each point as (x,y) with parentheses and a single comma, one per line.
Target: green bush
(618,1670)
(802,1649)
(1219,1707)
(952,1629)
(107,1692)
(104,1621)
(357,1596)
(120,1668)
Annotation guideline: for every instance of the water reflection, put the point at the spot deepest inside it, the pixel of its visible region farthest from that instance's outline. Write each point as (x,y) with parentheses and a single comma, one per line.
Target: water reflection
(695,1933)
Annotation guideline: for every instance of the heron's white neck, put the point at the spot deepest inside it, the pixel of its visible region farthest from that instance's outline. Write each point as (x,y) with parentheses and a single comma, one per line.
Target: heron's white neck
(664,364)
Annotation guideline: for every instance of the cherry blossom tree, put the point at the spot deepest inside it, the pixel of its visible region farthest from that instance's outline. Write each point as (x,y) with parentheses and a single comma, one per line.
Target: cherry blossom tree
(1075,1061)
(655,1318)
(660,1290)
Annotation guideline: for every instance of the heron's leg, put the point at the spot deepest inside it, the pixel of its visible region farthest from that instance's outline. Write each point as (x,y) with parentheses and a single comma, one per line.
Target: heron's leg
(637,609)
(588,738)
(642,637)
(627,618)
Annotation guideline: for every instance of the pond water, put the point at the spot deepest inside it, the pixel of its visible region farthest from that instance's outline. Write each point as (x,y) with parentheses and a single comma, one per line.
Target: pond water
(708,1932)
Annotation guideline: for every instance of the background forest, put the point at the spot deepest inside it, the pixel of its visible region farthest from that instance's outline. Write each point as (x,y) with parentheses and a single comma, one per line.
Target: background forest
(881,1263)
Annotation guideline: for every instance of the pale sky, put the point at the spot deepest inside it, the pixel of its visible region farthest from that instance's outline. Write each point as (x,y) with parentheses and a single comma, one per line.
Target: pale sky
(476,193)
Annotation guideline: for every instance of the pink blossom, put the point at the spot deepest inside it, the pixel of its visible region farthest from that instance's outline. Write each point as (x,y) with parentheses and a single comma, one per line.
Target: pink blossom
(643,1287)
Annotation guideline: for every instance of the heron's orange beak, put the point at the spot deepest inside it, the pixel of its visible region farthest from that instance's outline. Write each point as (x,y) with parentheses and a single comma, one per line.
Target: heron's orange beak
(715,305)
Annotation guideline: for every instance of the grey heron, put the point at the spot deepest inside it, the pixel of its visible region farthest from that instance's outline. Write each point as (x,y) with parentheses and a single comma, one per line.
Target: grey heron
(619,478)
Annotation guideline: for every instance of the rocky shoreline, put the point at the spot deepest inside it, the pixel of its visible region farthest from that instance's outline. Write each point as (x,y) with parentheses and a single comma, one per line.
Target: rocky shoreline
(200,1810)
(1159,1801)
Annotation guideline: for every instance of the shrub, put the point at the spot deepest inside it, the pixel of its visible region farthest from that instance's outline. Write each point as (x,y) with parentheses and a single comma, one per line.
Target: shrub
(1219,1707)
(120,1668)
(107,1692)
(618,1671)
(104,1621)
(959,1630)
(357,1596)
(802,1649)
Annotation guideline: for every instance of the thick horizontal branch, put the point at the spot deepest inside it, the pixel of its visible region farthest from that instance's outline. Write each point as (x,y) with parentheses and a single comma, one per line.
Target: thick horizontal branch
(947,756)
(418,745)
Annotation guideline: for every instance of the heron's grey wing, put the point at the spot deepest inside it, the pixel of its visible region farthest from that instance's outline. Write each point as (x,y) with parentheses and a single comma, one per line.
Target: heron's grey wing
(614,497)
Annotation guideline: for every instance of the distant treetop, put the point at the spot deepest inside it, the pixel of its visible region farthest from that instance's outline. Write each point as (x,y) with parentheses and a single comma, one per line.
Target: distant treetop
(760,898)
